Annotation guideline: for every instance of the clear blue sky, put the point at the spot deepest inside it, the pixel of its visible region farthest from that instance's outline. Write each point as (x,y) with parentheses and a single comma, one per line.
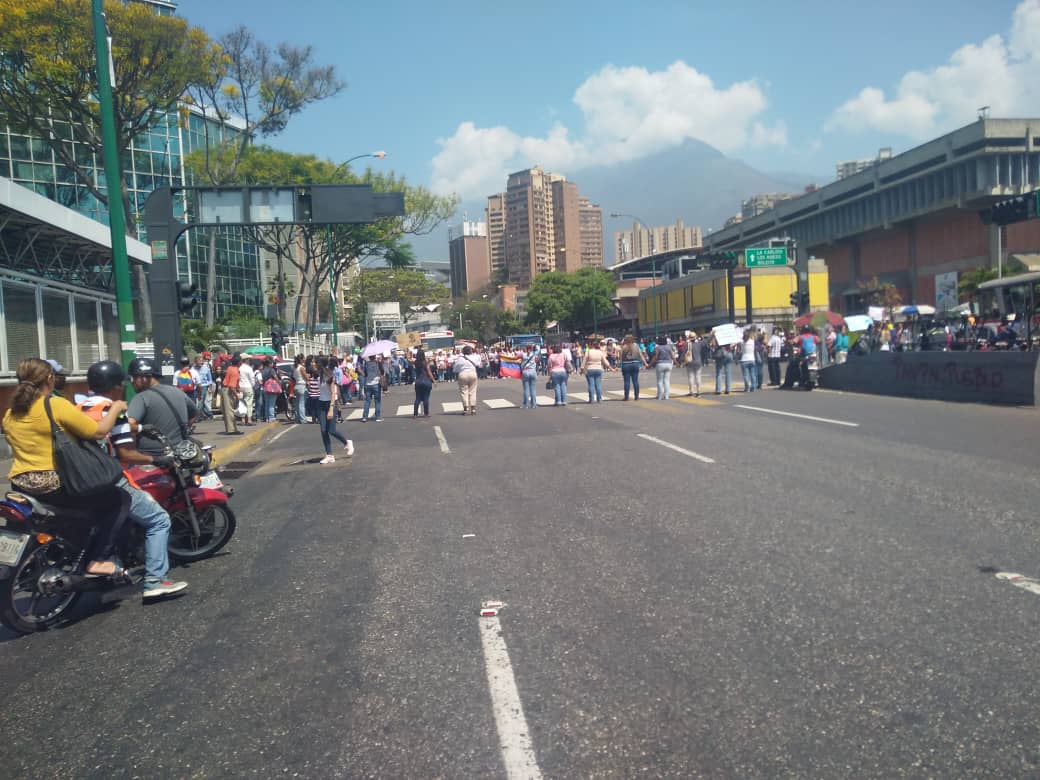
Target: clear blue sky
(418,70)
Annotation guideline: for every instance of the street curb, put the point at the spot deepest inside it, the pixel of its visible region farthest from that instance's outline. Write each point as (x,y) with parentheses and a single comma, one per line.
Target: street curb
(224,453)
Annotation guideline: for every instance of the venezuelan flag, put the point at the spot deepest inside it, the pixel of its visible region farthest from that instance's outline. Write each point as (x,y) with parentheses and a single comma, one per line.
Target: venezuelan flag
(509,366)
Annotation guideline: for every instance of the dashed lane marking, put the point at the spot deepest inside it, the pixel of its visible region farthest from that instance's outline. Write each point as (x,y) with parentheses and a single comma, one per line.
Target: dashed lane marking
(441,440)
(676,448)
(513,735)
(280,434)
(800,416)
(1020,581)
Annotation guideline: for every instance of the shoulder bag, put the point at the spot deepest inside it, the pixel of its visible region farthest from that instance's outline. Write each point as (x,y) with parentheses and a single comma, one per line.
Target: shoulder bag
(83,468)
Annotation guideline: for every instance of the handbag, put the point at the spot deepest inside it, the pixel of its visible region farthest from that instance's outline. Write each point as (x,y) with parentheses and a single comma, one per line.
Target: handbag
(548,384)
(83,468)
(272,385)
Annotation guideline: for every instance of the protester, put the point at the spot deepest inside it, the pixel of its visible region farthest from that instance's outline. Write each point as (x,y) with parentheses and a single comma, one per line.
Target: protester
(300,388)
(313,389)
(723,358)
(205,383)
(467,367)
(663,359)
(841,345)
(271,386)
(185,380)
(632,360)
(694,362)
(423,384)
(247,391)
(559,366)
(747,361)
(775,351)
(529,376)
(594,367)
(328,394)
(373,373)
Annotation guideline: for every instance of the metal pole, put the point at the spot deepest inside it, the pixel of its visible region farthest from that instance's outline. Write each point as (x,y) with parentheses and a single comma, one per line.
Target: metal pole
(332,285)
(116,216)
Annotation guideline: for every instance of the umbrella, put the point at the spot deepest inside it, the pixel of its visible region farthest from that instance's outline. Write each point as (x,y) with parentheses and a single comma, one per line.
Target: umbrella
(906,311)
(379,347)
(260,349)
(858,322)
(819,319)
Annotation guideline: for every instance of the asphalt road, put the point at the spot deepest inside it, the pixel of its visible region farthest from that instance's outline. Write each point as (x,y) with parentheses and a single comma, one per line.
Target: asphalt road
(691,588)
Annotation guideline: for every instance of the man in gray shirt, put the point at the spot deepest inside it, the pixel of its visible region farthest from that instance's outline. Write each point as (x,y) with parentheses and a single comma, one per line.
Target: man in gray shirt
(163,406)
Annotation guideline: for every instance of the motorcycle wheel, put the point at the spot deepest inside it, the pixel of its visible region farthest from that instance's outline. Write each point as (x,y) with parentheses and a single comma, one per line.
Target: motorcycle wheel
(216,527)
(289,411)
(23,608)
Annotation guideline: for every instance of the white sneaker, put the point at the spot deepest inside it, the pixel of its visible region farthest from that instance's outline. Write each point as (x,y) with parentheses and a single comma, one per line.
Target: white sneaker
(327,459)
(349,448)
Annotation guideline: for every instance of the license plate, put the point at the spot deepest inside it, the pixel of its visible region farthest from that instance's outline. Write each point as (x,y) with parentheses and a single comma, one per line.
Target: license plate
(11,546)
(211,480)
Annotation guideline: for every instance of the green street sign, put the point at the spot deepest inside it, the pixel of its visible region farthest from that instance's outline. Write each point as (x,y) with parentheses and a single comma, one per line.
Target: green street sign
(159,251)
(765,257)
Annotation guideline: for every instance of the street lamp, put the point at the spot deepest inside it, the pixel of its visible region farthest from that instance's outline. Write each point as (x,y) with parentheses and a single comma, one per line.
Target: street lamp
(653,265)
(328,235)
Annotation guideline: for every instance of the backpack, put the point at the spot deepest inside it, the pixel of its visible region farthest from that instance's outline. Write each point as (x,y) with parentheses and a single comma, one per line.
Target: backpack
(185,382)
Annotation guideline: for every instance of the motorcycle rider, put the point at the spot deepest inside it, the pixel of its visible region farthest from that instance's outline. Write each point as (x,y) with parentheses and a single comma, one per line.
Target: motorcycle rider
(150,407)
(105,380)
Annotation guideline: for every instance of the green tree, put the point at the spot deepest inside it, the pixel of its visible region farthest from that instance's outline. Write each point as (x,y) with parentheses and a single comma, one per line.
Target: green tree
(509,324)
(48,83)
(593,292)
(405,286)
(877,293)
(968,284)
(551,298)
(399,255)
(257,90)
(198,338)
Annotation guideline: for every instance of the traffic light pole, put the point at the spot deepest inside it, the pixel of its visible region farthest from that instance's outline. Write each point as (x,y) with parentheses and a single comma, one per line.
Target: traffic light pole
(114,177)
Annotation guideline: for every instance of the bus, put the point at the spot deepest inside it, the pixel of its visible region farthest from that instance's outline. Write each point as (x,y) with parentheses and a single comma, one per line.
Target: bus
(1015,299)
(432,340)
(520,339)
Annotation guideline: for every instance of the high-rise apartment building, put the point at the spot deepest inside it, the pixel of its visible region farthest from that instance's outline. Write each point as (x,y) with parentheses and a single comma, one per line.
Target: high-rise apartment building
(640,241)
(852,167)
(763,202)
(495,218)
(468,247)
(566,211)
(530,234)
(591,217)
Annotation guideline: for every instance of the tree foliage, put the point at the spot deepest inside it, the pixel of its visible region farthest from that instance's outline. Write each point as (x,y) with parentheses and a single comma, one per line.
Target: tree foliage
(406,286)
(968,284)
(572,298)
(877,293)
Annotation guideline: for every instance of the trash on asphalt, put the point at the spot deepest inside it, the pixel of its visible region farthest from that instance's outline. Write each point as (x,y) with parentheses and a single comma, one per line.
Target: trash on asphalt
(490,608)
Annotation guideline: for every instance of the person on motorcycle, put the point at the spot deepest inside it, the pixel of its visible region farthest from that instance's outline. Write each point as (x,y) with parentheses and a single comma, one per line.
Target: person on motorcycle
(163,406)
(28,432)
(105,380)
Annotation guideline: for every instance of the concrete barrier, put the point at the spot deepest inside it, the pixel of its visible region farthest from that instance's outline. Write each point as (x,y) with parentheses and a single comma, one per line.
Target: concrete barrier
(974,377)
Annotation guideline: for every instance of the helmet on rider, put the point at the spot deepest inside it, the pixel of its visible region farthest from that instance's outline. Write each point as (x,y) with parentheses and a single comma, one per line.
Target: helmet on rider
(104,375)
(144,367)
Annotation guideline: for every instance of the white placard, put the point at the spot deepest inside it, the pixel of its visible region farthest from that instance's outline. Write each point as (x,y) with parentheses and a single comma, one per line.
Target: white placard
(727,334)
(876,313)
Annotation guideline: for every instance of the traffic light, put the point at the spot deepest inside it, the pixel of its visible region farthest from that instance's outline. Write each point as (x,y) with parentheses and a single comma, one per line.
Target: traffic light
(1017,209)
(187,297)
(800,300)
(723,260)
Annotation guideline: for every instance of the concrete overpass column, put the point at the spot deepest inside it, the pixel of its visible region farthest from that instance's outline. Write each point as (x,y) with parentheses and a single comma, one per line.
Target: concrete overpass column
(911,241)
(993,241)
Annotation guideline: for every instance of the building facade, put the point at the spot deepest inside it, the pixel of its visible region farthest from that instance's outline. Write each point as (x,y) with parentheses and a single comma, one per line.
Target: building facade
(468,257)
(642,242)
(495,219)
(848,168)
(591,219)
(566,211)
(758,204)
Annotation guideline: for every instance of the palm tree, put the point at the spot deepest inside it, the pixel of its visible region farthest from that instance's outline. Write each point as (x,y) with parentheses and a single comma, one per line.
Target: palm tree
(399,255)
(968,285)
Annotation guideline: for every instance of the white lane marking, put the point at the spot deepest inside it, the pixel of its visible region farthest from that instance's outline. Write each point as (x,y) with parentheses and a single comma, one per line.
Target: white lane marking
(513,734)
(582,396)
(404,410)
(441,440)
(1020,581)
(357,414)
(618,393)
(452,406)
(546,400)
(802,416)
(499,403)
(280,434)
(669,445)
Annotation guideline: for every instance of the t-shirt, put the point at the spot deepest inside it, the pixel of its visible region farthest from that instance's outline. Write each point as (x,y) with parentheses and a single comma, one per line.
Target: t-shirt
(246,377)
(148,408)
(664,353)
(231,377)
(595,359)
(467,363)
(808,344)
(121,434)
(748,355)
(557,361)
(529,363)
(29,434)
(372,372)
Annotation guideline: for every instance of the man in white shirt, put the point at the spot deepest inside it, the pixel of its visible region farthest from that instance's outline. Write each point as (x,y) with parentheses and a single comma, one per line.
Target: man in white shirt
(246,381)
(776,343)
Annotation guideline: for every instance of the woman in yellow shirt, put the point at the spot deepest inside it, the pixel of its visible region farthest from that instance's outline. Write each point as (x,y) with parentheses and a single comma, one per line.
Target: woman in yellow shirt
(28,431)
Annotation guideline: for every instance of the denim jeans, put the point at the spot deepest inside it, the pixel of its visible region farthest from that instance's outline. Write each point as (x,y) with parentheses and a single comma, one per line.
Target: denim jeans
(559,380)
(328,427)
(722,368)
(530,380)
(422,398)
(758,376)
(693,376)
(630,373)
(664,380)
(594,378)
(373,392)
(269,402)
(204,408)
(301,406)
(747,370)
(147,513)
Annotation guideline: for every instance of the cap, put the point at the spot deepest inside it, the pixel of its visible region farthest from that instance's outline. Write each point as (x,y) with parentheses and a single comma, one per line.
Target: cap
(58,368)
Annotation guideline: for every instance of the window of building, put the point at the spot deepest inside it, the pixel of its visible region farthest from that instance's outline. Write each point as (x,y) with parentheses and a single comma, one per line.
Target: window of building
(20,323)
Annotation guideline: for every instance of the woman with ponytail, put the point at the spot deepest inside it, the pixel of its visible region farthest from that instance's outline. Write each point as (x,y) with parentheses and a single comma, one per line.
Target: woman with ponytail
(28,431)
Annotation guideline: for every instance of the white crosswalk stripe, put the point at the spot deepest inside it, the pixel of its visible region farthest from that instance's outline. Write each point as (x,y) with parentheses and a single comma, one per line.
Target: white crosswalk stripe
(546,400)
(452,406)
(354,415)
(404,410)
(618,393)
(499,403)
(580,396)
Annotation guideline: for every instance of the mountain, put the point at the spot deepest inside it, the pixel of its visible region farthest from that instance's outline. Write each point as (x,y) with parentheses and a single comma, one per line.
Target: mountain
(694,182)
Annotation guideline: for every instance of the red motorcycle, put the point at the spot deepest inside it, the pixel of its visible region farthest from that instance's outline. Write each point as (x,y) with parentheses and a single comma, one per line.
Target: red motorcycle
(201,522)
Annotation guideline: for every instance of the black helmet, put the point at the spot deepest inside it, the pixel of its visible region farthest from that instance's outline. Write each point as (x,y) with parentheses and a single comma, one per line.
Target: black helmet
(104,375)
(143,367)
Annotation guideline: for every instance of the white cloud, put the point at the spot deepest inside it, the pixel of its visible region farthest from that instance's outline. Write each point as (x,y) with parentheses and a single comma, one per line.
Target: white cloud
(628,113)
(998,73)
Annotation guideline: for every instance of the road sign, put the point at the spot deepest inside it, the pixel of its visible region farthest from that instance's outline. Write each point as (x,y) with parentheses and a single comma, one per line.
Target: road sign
(764,257)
